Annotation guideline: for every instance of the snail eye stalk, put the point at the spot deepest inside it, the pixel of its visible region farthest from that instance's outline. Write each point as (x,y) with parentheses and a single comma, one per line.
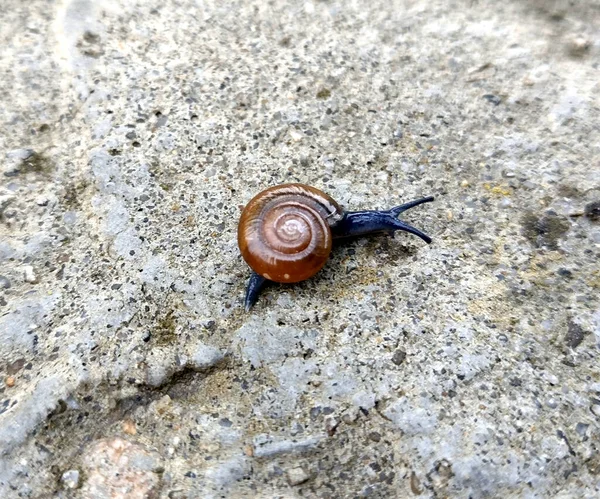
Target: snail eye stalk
(407,206)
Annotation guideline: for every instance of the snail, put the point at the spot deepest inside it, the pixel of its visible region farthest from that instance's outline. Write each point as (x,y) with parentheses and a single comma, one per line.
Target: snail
(285,232)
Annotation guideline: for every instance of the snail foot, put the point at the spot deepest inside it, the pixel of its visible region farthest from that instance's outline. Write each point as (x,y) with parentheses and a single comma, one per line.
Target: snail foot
(255,285)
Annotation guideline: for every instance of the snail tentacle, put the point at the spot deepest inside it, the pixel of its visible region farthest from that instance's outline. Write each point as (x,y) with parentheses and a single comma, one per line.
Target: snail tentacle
(396,210)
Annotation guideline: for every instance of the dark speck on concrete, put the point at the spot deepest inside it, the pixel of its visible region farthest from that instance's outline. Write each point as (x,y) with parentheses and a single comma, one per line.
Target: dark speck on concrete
(398,357)
(374,436)
(575,335)
(31,162)
(324,93)
(544,231)
(315,412)
(493,99)
(90,45)
(165,329)
(581,429)
(16,366)
(592,210)
(4,282)
(566,273)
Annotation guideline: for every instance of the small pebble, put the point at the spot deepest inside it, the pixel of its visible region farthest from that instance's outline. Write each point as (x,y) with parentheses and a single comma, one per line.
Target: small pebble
(70,217)
(582,428)
(398,357)
(4,282)
(350,416)
(376,437)
(575,335)
(15,160)
(296,136)
(464,183)
(331,425)
(70,479)
(16,366)
(29,274)
(592,210)
(296,429)
(297,475)
(493,99)
(42,201)
(10,381)
(578,46)
(115,465)
(20,154)
(177,494)
(415,484)
(129,427)
(5,201)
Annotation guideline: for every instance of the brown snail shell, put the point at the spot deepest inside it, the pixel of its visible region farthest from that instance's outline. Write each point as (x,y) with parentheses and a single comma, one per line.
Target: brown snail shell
(284,232)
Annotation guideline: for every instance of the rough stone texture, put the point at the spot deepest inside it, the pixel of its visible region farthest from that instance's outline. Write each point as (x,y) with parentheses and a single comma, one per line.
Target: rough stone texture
(116,468)
(131,135)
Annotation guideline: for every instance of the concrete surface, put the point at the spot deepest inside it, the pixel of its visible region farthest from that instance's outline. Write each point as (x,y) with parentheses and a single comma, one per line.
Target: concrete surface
(131,135)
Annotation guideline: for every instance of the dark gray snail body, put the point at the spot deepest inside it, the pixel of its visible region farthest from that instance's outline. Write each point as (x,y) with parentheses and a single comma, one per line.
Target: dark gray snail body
(286,232)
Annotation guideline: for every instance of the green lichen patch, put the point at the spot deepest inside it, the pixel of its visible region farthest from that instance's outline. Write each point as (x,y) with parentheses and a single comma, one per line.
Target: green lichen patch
(164,332)
(36,163)
(324,93)
(73,195)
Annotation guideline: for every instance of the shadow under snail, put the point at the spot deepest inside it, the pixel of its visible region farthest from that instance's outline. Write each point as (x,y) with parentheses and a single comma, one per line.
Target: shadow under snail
(285,232)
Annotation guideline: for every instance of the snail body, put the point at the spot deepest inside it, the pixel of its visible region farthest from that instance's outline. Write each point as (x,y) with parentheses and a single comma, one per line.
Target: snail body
(286,232)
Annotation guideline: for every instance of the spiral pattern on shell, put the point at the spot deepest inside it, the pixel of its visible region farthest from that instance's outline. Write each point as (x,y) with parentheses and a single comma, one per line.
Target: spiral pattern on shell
(284,232)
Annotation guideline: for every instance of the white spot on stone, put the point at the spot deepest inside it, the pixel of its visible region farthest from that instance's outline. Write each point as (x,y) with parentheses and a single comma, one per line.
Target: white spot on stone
(205,357)
(265,446)
(286,276)
(296,136)
(228,472)
(70,479)
(296,476)
(42,200)
(266,276)
(29,274)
